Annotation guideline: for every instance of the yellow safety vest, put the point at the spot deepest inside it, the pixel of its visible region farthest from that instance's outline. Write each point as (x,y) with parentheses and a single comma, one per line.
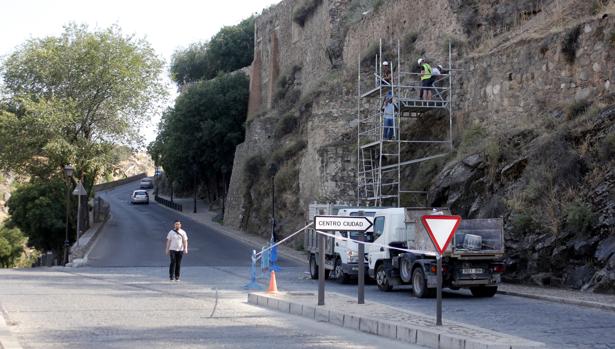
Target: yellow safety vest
(427,69)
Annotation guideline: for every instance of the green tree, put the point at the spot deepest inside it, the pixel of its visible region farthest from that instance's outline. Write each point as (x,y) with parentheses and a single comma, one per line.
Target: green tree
(69,99)
(38,209)
(203,128)
(230,49)
(12,242)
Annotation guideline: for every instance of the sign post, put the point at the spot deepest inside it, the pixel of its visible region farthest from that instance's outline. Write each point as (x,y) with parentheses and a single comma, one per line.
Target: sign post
(339,223)
(79,192)
(441,230)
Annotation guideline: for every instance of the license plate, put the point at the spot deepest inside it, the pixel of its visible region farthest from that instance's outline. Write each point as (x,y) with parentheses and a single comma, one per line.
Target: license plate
(472,271)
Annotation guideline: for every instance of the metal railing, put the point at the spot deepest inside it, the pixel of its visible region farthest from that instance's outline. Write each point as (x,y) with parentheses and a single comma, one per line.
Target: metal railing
(168,203)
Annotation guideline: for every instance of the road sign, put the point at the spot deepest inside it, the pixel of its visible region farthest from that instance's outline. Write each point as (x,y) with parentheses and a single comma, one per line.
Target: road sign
(79,190)
(341,223)
(441,229)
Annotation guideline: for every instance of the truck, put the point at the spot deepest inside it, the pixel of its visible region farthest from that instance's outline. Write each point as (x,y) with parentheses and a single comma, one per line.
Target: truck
(341,256)
(473,259)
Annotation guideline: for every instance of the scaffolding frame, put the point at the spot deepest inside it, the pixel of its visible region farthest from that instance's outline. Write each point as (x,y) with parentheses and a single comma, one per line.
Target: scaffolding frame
(379,159)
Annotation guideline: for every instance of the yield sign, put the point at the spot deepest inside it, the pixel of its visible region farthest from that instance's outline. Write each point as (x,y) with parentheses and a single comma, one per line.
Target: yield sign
(441,229)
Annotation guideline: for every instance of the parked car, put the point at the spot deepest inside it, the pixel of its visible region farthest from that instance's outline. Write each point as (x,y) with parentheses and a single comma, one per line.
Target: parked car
(146,183)
(139,197)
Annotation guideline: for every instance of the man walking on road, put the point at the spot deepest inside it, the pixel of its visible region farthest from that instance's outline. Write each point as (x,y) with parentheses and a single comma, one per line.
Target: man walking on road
(177,245)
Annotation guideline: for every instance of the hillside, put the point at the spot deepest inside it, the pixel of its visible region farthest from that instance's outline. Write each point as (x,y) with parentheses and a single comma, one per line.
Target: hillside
(533,121)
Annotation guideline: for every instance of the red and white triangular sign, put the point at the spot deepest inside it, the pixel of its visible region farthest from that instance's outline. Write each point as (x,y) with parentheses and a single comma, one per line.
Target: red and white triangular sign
(441,229)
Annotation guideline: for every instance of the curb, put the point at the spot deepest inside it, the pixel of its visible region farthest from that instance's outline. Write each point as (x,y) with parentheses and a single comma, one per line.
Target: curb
(432,337)
(589,304)
(7,340)
(79,262)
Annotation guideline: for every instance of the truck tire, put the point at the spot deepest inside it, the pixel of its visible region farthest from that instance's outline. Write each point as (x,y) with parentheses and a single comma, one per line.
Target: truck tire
(419,284)
(338,273)
(382,280)
(313,267)
(484,291)
(405,271)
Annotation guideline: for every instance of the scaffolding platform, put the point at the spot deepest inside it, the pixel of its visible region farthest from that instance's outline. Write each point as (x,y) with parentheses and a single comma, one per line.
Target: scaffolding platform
(380,132)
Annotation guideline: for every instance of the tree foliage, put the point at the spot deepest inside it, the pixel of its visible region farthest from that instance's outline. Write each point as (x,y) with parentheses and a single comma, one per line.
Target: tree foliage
(230,49)
(203,129)
(12,242)
(39,210)
(68,99)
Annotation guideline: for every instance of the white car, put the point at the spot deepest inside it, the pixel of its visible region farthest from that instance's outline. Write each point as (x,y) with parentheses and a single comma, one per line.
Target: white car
(146,183)
(139,197)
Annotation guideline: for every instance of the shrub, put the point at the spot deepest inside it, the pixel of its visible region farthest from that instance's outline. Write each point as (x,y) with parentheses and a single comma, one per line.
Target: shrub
(285,125)
(523,223)
(284,154)
(408,41)
(577,108)
(571,44)
(579,217)
(287,178)
(606,148)
(254,167)
(306,9)
(370,53)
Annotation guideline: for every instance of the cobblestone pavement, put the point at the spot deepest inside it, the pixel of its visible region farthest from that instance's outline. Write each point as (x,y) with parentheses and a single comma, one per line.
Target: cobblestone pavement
(139,308)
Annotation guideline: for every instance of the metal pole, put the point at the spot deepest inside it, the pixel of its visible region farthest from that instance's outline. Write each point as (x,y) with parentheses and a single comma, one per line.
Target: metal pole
(67,212)
(450,96)
(321,269)
(359,159)
(194,175)
(78,214)
(273,208)
(361,295)
(439,292)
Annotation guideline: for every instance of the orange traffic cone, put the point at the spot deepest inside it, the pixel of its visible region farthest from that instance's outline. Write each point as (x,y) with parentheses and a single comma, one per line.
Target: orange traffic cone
(273,286)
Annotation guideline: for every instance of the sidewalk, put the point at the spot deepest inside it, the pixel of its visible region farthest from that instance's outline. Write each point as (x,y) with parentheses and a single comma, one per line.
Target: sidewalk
(389,322)
(586,299)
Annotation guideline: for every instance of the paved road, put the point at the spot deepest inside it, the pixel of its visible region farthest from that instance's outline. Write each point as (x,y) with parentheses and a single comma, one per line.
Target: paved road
(135,236)
(126,308)
(558,325)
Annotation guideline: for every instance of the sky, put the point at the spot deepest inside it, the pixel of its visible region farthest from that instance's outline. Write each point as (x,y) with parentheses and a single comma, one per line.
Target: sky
(167,25)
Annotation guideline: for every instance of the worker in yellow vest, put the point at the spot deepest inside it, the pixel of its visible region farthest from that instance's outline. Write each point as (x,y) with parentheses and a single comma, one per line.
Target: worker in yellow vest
(425,79)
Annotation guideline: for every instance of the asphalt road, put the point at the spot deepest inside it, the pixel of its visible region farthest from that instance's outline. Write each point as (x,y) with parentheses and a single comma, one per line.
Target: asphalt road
(135,236)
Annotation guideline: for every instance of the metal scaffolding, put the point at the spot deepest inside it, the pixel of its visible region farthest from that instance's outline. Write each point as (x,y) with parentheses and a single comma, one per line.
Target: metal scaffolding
(379,145)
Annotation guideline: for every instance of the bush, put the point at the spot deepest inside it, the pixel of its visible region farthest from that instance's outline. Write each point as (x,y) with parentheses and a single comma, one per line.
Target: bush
(306,9)
(577,108)
(523,223)
(571,44)
(408,41)
(12,242)
(285,125)
(287,178)
(254,167)
(606,148)
(579,217)
(282,155)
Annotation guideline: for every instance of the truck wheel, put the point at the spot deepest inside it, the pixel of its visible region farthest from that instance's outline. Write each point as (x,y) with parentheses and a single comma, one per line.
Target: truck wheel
(338,273)
(313,267)
(419,284)
(382,280)
(484,291)
(405,271)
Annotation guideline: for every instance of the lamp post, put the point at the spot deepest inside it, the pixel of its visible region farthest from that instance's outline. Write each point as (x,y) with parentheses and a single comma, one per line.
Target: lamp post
(68,172)
(194,170)
(273,170)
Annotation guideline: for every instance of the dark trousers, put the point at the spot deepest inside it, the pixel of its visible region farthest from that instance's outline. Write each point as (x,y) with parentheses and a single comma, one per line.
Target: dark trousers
(176,261)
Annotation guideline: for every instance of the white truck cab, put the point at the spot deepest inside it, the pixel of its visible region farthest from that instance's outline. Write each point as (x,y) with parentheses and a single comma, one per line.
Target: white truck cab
(341,254)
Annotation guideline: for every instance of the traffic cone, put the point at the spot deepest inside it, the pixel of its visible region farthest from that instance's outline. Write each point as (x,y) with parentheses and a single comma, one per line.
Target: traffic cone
(273,286)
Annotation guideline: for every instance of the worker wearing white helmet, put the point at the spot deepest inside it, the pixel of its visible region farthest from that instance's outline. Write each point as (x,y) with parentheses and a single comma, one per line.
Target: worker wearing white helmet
(386,73)
(425,79)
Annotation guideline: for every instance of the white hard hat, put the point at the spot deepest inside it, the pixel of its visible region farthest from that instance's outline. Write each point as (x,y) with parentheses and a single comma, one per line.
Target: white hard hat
(385,63)
(440,66)
(420,61)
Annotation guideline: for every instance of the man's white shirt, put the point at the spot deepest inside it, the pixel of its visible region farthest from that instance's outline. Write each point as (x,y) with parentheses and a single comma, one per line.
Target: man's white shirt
(176,239)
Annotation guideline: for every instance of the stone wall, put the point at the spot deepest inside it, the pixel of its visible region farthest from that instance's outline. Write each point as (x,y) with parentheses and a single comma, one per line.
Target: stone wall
(511,86)
(522,76)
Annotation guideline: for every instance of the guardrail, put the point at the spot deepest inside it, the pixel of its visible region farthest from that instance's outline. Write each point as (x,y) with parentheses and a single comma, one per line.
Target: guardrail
(168,203)
(109,185)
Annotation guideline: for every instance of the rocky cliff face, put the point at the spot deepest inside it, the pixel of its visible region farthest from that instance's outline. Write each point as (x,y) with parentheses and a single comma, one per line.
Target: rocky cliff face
(533,124)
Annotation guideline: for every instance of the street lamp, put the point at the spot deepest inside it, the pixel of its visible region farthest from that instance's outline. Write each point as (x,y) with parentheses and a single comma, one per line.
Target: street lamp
(273,170)
(68,172)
